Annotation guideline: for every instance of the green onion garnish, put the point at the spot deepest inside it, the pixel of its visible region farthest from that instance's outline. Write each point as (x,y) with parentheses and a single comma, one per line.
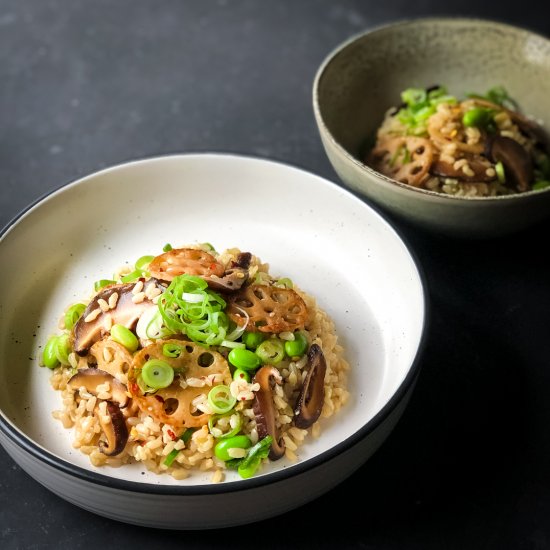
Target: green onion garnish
(220,399)
(157,374)
(248,465)
(133,276)
(98,285)
(73,314)
(188,306)
(172,350)
(541,184)
(143,262)
(234,429)
(420,105)
(185,437)
(501,174)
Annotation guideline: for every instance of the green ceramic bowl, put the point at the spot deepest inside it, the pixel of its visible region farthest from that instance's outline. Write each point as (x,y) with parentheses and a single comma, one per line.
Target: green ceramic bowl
(363,77)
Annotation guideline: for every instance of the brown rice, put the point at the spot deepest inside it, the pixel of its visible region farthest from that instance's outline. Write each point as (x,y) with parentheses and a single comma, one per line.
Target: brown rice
(150,442)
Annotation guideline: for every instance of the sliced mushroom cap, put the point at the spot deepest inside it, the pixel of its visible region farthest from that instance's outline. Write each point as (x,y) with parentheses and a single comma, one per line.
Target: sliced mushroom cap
(243,260)
(515,159)
(114,427)
(478,165)
(92,378)
(264,409)
(310,401)
(125,312)
(232,279)
(526,125)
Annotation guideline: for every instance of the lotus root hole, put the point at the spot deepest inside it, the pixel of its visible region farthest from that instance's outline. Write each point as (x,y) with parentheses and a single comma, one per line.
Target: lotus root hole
(205,359)
(171,405)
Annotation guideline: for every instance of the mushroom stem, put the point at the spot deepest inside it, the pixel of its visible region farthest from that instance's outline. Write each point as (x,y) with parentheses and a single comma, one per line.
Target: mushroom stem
(310,401)
(515,159)
(264,409)
(115,430)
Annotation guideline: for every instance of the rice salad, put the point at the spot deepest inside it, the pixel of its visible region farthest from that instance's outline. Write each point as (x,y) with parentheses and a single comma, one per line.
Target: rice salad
(194,360)
(482,146)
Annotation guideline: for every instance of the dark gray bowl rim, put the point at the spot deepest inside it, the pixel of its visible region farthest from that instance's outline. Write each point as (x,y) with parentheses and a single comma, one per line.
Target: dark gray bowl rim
(388,27)
(37,452)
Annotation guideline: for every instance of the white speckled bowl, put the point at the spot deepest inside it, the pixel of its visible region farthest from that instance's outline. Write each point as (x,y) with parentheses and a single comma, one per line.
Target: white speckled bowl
(362,78)
(54,251)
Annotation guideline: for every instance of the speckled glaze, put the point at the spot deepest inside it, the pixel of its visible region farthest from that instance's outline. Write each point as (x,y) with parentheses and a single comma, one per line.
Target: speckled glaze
(377,304)
(363,77)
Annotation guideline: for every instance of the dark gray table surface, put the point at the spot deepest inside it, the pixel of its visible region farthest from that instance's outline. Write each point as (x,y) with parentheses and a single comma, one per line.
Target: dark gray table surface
(87,84)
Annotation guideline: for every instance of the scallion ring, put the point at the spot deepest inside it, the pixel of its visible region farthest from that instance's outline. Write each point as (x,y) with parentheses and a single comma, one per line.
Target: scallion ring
(73,314)
(157,374)
(220,399)
(235,426)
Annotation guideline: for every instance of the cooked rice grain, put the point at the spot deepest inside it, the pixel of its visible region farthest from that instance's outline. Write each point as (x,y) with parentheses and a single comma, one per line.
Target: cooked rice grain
(150,443)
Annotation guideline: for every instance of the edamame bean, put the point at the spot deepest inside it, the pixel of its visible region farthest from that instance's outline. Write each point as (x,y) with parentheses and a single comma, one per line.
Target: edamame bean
(49,354)
(298,346)
(62,349)
(244,359)
(125,337)
(221,450)
(253,339)
(241,374)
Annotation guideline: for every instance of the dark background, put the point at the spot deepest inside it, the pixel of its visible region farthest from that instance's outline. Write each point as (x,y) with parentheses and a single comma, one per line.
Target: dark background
(86,84)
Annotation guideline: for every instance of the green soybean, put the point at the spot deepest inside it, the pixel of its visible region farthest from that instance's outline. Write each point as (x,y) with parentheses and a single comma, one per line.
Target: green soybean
(157,374)
(271,351)
(167,247)
(49,354)
(62,349)
(221,450)
(125,337)
(298,346)
(253,339)
(477,117)
(73,314)
(243,359)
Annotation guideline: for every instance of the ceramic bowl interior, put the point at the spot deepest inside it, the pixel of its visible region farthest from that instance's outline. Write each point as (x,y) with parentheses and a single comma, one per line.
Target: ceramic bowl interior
(308,229)
(361,79)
